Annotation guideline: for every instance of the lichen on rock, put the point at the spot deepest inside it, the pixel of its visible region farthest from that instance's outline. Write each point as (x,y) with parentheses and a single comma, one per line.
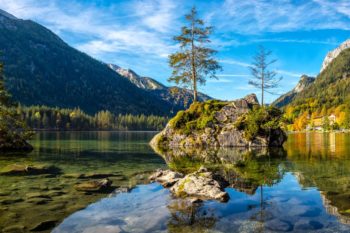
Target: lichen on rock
(238,123)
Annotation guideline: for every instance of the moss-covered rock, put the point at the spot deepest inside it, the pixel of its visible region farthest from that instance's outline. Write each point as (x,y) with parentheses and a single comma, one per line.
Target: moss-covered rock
(238,123)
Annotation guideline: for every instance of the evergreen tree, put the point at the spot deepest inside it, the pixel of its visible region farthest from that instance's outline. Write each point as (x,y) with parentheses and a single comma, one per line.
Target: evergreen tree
(263,78)
(13,132)
(194,62)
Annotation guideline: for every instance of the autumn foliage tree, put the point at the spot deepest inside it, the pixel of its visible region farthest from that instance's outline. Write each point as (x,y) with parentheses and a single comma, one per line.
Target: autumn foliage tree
(194,62)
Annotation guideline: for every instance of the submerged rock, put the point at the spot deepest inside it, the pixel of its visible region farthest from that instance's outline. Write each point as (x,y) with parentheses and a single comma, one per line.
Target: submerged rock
(213,124)
(22,169)
(200,185)
(18,145)
(45,225)
(94,186)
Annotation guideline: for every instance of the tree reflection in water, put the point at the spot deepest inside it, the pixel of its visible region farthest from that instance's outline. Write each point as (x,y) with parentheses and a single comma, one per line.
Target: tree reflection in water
(244,169)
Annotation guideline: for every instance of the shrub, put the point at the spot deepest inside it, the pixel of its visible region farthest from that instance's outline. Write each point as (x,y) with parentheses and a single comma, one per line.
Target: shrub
(259,121)
(197,117)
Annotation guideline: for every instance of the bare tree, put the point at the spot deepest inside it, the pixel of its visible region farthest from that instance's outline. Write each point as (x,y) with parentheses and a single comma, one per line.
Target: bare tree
(263,78)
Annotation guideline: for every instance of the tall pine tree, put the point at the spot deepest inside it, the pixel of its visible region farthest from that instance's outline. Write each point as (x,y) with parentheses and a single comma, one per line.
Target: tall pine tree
(194,62)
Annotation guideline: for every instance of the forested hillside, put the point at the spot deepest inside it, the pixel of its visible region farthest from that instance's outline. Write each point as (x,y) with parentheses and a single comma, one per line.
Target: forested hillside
(40,117)
(41,69)
(328,95)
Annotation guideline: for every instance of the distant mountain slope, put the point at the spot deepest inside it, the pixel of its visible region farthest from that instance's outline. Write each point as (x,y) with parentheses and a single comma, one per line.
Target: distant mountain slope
(178,97)
(325,102)
(334,53)
(41,69)
(141,82)
(304,82)
(332,86)
(329,87)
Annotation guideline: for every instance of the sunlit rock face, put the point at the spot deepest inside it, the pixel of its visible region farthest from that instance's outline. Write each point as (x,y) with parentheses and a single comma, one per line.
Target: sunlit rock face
(334,53)
(212,124)
(304,82)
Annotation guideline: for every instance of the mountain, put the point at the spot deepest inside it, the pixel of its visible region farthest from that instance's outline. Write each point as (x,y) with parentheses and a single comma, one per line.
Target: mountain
(141,82)
(334,53)
(326,101)
(331,88)
(41,69)
(304,82)
(180,98)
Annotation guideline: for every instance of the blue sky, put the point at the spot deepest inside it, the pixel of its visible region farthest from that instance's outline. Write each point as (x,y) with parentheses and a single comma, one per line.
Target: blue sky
(138,34)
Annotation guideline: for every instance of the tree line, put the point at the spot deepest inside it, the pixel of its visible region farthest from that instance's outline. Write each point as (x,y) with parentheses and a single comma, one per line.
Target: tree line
(47,118)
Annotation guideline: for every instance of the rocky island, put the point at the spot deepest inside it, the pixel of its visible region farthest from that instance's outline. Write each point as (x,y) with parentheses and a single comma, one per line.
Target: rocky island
(239,123)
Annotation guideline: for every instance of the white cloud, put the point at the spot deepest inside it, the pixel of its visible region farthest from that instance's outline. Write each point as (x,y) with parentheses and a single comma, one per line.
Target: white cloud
(257,16)
(219,80)
(247,65)
(107,32)
(233,75)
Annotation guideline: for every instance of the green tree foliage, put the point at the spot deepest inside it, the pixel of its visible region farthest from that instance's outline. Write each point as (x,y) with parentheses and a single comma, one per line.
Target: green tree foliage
(259,121)
(42,117)
(13,132)
(194,62)
(263,78)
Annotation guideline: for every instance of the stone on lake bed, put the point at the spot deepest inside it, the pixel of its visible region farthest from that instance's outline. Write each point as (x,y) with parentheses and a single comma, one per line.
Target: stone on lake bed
(14,229)
(45,225)
(94,186)
(93,175)
(10,200)
(23,169)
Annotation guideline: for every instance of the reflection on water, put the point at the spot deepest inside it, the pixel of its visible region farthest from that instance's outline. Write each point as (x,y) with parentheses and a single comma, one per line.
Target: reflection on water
(304,187)
(42,201)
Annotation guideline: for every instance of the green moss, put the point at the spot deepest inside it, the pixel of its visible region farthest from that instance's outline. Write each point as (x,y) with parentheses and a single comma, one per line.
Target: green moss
(199,116)
(180,191)
(259,122)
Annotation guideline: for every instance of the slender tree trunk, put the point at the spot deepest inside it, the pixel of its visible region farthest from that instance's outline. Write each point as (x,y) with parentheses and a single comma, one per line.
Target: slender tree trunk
(194,74)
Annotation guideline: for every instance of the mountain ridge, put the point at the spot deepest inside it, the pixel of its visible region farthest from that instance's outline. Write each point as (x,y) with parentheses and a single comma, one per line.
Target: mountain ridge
(285,99)
(180,97)
(41,69)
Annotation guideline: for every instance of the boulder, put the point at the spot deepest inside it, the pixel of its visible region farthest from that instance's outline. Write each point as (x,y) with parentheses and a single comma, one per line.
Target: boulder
(23,169)
(198,186)
(167,178)
(213,124)
(94,186)
(202,185)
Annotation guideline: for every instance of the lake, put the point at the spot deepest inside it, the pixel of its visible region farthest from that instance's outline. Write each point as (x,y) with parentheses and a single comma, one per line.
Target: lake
(304,187)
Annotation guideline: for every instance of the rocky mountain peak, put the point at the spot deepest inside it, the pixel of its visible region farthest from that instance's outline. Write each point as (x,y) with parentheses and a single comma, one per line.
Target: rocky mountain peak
(285,99)
(334,53)
(303,83)
(139,81)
